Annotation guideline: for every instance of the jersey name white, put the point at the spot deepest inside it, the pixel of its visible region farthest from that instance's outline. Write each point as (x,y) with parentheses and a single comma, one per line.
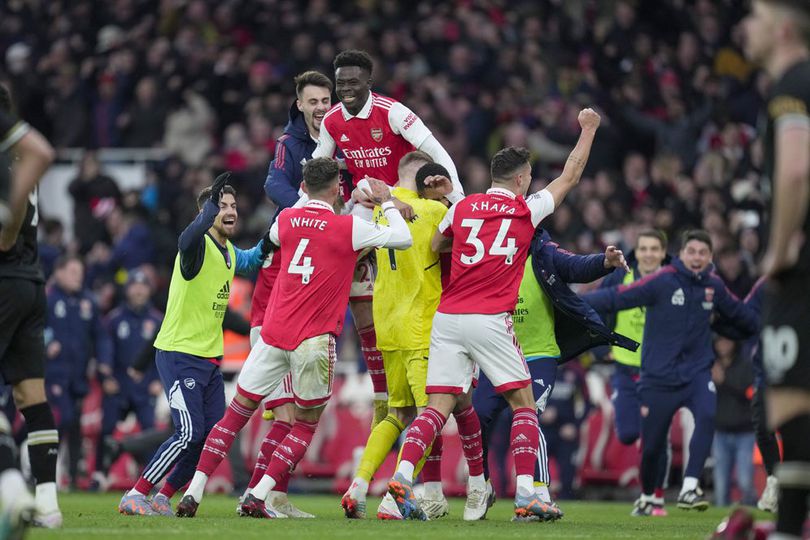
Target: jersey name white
(319,224)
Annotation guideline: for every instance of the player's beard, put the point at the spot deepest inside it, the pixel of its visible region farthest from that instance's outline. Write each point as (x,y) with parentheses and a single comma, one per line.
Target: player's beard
(223,232)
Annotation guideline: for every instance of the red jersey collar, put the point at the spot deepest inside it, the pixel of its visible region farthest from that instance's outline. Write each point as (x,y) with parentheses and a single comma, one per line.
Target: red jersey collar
(320,204)
(501,191)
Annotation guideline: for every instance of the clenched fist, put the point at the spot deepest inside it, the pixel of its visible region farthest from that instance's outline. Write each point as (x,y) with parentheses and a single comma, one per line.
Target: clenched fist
(589,119)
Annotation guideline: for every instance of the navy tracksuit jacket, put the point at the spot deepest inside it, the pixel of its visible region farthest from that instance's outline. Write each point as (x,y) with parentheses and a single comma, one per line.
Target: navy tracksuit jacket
(75,323)
(131,331)
(677,353)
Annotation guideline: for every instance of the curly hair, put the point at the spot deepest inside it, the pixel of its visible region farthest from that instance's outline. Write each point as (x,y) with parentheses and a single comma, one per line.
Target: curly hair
(354,57)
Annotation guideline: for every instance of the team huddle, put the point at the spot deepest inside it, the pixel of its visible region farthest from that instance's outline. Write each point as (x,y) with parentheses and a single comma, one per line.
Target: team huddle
(462,306)
(445,272)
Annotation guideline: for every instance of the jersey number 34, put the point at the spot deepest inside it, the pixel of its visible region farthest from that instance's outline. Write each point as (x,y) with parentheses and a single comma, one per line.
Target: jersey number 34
(501,246)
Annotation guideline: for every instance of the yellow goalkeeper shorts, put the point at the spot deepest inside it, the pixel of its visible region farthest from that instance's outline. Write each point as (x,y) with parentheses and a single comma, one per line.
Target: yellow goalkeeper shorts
(406,375)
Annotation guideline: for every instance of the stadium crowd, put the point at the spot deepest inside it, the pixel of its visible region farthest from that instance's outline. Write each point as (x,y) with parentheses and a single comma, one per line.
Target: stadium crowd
(212,82)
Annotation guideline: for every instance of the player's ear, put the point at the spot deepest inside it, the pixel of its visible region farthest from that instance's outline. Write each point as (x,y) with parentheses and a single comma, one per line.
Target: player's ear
(298,105)
(369,82)
(304,187)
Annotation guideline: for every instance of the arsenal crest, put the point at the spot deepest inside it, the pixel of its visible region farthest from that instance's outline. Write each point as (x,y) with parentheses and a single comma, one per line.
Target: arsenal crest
(708,299)
(376,134)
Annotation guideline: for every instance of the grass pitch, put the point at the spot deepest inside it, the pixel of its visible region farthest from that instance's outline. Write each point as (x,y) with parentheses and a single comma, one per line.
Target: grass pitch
(96,516)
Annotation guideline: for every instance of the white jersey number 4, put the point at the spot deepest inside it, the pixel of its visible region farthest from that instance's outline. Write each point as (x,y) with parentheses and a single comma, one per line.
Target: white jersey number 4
(502,246)
(300,264)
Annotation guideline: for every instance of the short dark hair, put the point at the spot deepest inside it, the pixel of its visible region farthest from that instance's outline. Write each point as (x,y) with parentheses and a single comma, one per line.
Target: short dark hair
(429,169)
(658,234)
(507,161)
(354,57)
(206,194)
(697,234)
(311,78)
(320,173)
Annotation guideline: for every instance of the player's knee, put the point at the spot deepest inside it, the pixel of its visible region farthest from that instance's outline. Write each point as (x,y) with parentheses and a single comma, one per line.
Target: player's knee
(520,398)
(246,402)
(444,403)
(704,418)
(285,413)
(362,314)
(192,435)
(29,392)
(309,415)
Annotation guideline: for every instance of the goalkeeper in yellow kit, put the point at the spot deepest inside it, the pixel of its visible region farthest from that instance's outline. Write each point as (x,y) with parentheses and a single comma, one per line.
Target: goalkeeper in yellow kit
(406,294)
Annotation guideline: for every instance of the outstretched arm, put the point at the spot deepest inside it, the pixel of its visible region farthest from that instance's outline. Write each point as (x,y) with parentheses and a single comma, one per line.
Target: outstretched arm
(613,299)
(575,165)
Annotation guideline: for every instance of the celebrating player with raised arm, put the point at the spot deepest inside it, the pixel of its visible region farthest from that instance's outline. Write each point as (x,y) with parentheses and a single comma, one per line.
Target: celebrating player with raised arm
(490,235)
(319,250)
(189,344)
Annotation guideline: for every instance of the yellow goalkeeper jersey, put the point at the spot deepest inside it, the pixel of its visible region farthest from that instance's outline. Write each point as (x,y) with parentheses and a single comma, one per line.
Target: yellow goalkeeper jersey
(408,284)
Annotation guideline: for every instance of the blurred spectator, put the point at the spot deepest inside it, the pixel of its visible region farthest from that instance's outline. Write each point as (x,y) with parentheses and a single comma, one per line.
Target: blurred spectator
(51,245)
(73,335)
(132,327)
(94,196)
(188,129)
(733,447)
(734,272)
(133,245)
(142,123)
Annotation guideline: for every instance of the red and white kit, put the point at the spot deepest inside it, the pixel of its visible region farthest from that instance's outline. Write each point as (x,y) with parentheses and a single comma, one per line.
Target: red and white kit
(375,140)
(268,273)
(309,298)
(491,235)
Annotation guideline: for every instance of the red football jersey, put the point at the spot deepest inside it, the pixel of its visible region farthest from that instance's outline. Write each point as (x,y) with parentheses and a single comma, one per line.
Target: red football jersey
(319,252)
(375,140)
(264,286)
(491,236)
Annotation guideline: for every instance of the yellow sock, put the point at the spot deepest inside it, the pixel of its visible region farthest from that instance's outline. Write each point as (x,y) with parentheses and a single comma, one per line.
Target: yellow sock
(379,443)
(380,412)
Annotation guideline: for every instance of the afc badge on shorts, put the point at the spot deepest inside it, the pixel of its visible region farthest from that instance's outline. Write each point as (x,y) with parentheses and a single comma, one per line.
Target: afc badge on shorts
(190,383)
(376,134)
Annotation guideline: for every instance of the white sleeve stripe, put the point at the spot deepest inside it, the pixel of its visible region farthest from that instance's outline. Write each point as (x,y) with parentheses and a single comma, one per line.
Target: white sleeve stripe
(14,135)
(792,121)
